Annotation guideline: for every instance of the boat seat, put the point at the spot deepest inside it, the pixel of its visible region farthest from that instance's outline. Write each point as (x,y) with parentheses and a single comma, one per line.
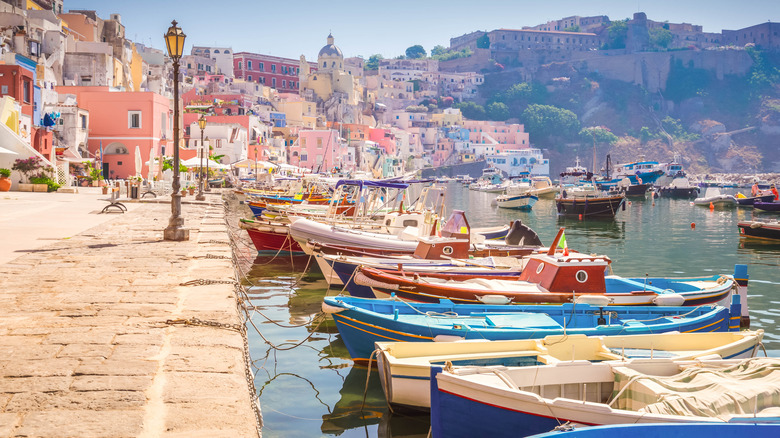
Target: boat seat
(637,285)
(528,320)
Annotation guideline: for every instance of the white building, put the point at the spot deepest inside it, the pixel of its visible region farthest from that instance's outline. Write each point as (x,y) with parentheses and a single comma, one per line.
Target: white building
(222,56)
(514,162)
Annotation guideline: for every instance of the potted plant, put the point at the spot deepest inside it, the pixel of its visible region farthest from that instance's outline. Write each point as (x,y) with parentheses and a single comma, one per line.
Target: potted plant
(94,176)
(191,189)
(43,183)
(27,167)
(5,180)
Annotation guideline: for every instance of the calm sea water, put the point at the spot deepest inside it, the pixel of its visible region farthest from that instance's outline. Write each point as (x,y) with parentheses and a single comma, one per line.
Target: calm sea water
(306,381)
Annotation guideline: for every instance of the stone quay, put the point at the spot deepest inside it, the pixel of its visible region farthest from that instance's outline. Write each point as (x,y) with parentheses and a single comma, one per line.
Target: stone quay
(92,308)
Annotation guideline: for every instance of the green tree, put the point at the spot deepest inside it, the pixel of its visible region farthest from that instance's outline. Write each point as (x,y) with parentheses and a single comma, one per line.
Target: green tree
(471,110)
(526,93)
(483,42)
(438,51)
(598,134)
(497,111)
(415,52)
(660,37)
(549,125)
(575,28)
(645,135)
(616,35)
(686,82)
(373,62)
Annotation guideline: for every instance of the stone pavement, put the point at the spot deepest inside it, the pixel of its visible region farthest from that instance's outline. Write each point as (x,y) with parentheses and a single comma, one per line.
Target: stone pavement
(86,344)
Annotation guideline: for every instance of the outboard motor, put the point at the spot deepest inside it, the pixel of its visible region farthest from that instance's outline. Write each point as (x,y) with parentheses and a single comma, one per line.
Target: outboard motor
(521,235)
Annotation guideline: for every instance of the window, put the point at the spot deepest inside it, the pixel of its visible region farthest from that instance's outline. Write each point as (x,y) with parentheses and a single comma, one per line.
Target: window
(27,92)
(249,65)
(83,122)
(4,89)
(216,51)
(319,143)
(260,66)
(284,83)
(273,82)
(239,65)
(304,157)
(134,119)
(273,68)
(249,78)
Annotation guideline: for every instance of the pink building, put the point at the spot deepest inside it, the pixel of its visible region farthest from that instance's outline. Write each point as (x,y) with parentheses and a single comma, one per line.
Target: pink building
(120,121)
(319,150)
(504,136)
(271,71)
(384,138)
(445,147)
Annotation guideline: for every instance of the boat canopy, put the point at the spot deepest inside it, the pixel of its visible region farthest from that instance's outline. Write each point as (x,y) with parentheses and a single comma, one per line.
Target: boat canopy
(365,183)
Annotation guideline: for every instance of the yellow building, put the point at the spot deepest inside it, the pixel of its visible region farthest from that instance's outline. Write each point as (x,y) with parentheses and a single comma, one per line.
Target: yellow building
(330,76)
(449,117)
(136,70)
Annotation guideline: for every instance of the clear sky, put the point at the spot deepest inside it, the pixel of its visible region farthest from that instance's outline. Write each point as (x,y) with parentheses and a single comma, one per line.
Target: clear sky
(291,28)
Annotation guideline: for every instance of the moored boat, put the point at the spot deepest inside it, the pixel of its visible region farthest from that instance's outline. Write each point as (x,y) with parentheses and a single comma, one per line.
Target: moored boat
(596,206)
(687,430)
(405,367)
(759,229)
(521,401)
(362,322)
(713,196)
(773,206)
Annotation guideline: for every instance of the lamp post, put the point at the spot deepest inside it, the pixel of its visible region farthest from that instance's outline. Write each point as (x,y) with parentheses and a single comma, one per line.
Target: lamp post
(174,41)
(202,126)
(208,147)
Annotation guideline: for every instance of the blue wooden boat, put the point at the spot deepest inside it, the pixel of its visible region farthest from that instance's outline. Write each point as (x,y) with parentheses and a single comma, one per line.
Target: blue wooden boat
(687,430)
(361,321)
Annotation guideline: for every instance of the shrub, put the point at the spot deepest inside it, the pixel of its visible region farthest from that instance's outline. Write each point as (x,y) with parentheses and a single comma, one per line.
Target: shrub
(43,179)
(27,166)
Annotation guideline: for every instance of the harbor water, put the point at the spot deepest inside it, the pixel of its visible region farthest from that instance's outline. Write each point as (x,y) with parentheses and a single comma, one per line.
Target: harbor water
(309,387)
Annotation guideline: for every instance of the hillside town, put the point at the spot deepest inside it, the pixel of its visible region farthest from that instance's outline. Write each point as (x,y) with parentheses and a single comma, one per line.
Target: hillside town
(76,90)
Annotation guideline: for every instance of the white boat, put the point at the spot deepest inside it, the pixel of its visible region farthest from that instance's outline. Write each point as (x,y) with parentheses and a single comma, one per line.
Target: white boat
(713,196)
(574,174)
(542,187)
(405,367)
(522,201)
(521,401)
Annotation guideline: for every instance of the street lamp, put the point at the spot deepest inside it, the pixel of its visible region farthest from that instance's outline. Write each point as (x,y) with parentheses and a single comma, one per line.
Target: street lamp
(174,41)
(202,126)
(208,147)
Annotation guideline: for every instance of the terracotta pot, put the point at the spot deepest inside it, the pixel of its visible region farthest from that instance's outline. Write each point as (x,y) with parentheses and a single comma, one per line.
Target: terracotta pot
(40,187)
(26,187)
(192,191)
(105,190)
(5,184)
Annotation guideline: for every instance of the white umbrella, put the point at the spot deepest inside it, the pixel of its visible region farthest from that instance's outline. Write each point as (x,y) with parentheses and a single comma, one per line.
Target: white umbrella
(138,162)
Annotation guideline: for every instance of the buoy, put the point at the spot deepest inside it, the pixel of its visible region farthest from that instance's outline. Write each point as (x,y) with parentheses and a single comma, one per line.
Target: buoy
(653,203)
(693,225)
(629,202)
(712,207)
(580,216)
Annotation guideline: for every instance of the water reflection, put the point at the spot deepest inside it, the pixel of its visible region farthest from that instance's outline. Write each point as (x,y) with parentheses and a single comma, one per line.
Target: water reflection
(359,405)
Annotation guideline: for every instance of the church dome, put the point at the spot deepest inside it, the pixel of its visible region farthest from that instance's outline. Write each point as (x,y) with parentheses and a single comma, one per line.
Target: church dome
(330,49)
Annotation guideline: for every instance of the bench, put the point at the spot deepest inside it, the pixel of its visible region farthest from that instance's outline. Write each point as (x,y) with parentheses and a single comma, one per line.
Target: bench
(113,202)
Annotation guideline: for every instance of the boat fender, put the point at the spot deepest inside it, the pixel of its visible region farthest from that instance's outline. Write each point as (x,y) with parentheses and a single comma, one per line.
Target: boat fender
(756,225)
(670,299)
(494,299)
(447,338)
(594,300)
(362,280)
(327,308)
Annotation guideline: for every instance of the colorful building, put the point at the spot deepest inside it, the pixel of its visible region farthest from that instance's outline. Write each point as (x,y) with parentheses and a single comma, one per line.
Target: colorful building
(120,122)
(271,71)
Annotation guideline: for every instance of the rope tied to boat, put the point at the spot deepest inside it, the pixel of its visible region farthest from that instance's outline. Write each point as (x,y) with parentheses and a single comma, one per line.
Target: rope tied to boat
(205,282)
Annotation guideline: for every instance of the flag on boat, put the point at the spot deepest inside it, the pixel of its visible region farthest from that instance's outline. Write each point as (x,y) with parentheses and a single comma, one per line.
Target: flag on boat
(562,244)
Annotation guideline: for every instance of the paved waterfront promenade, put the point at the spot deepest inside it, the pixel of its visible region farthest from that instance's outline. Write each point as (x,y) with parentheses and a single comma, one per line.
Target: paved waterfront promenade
(86,347)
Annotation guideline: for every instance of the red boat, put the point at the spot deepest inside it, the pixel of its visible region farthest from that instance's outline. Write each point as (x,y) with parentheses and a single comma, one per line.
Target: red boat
(270,236)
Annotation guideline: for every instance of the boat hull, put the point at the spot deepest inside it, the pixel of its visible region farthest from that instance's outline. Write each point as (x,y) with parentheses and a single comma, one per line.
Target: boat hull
(590,207)
(362,322)
(767,206)
(517,202)
(679,192)
(273,239)
(759,230)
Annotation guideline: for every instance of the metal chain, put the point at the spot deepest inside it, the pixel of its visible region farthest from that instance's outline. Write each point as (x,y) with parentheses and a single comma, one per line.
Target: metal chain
(204,282)
(204,323)
(254,397)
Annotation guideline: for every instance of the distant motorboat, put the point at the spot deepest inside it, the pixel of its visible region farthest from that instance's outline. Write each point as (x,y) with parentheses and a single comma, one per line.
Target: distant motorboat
(713,196)
(760,230)
(680,187)
(748,201)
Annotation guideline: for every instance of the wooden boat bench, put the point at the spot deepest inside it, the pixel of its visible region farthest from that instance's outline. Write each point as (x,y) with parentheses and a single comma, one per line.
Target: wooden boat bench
(114,202)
